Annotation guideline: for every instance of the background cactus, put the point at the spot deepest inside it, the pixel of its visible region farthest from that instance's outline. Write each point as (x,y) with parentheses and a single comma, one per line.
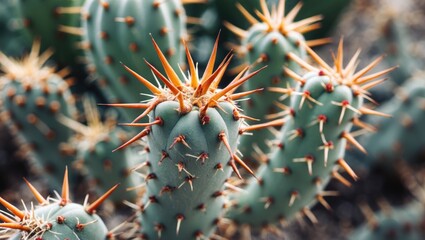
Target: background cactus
(56,23)
(267,43)
(32,96)
(117,32)
(94,144)
(312,143)
(395,138)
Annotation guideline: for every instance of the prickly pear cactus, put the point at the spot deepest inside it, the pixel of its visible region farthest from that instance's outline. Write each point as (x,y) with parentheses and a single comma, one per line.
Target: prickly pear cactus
(192,135)
(396,137)
(57,24)
(102,167)
(117,31)
(312,143)
(56,218)
(396,223)
(267,43)
(32,96)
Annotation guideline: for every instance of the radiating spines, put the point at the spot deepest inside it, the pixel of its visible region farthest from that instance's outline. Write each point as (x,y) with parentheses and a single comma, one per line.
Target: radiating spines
(192,137)
(273,34)
(53,218)
(310,151)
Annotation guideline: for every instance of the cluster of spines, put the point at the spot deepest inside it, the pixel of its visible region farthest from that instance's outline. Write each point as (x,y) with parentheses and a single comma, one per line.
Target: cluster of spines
(192,136)
(32,96)
(327,101)
(267,42)
(54,218)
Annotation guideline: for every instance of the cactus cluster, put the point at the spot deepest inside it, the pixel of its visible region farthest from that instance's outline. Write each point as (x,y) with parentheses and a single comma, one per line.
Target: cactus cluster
(201,150)
(55,218)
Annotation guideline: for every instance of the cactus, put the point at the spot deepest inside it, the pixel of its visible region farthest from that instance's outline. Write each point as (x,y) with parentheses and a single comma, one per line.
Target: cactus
(396,223)
(56,23)
(56,218)
(327,102)
(192,136)
(115,32)
(267,42)
(102,167)
(14,40)
(396,137)
(32,95)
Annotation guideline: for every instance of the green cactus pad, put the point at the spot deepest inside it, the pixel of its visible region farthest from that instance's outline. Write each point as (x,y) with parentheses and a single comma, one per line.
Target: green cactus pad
(312,144)
(119,32)
(267,43)
(192,136)
(56,218)
(57,24)
(33,96)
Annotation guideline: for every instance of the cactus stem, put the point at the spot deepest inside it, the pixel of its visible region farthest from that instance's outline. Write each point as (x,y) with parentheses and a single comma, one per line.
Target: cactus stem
(40,199)
(92,207)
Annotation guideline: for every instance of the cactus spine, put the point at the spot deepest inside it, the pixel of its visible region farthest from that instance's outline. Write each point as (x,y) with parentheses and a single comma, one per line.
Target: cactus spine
(32,97)
(325,104)
(192,136)
(117,31)
(56,218)
(268,42)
